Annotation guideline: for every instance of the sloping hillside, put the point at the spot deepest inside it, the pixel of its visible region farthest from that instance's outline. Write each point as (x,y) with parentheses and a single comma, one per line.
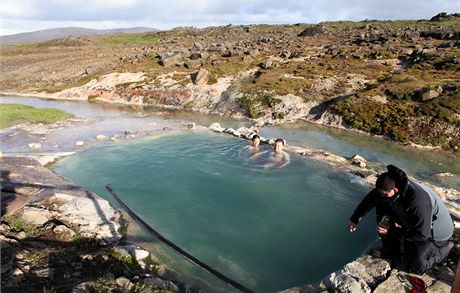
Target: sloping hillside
(399,79)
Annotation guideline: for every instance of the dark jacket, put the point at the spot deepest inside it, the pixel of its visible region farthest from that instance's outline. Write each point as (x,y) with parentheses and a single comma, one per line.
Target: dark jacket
(417,209)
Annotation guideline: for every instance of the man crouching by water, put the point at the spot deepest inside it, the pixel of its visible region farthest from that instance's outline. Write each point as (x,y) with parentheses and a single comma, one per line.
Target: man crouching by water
(413,222)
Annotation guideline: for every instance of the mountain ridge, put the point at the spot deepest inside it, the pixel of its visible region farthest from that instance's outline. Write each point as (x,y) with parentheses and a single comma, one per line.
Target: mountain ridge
(63,32)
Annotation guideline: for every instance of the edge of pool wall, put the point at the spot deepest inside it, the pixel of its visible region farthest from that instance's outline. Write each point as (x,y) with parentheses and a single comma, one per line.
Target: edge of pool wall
(366,273)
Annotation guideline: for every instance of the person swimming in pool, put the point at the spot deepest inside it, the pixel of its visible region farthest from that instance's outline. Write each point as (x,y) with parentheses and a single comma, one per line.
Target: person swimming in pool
(280,156)
(255,142)
(253,147)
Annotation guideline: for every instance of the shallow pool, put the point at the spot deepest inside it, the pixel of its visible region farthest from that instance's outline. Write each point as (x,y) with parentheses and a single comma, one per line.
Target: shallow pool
(269,228)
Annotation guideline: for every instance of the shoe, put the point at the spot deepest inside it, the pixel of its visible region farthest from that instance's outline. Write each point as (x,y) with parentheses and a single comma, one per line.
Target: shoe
(444,252)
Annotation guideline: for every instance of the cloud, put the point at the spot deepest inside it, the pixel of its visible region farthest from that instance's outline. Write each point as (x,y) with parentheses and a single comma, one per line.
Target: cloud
(27,15)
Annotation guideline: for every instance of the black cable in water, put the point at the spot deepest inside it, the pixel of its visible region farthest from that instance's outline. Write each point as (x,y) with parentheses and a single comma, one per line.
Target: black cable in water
(176,248)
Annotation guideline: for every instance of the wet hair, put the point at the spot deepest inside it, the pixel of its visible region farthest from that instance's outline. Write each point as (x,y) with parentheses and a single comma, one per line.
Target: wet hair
(255,136)
(385,182)
(279,140)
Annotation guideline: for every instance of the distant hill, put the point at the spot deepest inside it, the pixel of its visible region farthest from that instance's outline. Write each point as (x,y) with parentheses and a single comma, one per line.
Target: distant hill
(63,32)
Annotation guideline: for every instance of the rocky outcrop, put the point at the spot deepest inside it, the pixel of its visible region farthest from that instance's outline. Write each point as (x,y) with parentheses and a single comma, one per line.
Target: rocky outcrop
(68,238)
(90,215)
(170,59)
(445,16)
(313,31)
(201,77)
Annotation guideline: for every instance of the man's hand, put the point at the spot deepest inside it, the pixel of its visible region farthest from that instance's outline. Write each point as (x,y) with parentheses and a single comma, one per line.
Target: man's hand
(352,226)
(382,231)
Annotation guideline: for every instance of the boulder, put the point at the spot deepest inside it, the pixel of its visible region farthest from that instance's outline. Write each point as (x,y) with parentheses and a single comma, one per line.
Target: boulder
(170,59)
(247,59)
(195,56)
(64,233)
(201,77)
(216,127)
(80,143)
(392,284)
(342,281)
(444,16)
(141,254)
(285,54)
(192,64)
(124,284)
(190,125)
(358,161)
(130,250)
(429,94)
(101,137)
(313,31)
(44,273)
(254,53)
(36,216)
(370,269)
(156,282)
(236,53)
(198,46)
(82,288)
(267,64)
(171,286)
(303,289)
(93,216)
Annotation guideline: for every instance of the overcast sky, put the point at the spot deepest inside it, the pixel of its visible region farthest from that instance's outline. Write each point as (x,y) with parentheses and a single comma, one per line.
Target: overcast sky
(30,15)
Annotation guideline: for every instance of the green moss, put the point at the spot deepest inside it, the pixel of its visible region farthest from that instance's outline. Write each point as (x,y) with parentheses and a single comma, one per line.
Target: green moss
(276,82)
(66,42)
(127,260)
(128,39)
(228,67)
(17,224)
(212,79)
(443,108)
(14,114)
(92,98)
(251,106)
(404,120)
(377,118)
(125,85)
(255,104)
(103,285)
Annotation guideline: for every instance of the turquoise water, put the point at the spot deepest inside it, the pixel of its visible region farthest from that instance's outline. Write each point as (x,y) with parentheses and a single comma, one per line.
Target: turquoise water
(268,228)
(419,163)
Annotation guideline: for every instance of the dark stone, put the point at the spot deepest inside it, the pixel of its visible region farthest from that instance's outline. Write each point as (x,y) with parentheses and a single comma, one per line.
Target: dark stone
(313,31)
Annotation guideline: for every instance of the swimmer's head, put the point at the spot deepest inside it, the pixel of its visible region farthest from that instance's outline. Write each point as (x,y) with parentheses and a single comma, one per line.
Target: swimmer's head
(255,140)
(279,144)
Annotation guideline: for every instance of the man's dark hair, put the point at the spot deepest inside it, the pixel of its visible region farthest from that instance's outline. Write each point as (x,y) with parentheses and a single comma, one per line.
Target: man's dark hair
(279,140)
(255,136)
(385,182)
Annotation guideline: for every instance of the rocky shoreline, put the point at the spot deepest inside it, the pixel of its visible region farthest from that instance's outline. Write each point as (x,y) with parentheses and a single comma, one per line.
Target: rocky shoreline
(56,236)
(45,212)
(328,120)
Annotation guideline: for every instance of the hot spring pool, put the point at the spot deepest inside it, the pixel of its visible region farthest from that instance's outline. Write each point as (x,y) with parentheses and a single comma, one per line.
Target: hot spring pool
(267,228)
